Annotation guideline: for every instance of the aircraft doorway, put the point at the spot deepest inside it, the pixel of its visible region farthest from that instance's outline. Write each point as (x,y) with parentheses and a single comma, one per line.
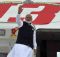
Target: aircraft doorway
(48,42)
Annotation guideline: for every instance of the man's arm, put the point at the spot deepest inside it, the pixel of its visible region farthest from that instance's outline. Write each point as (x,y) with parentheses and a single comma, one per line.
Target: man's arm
(34,40)
(18,20)
(34,43)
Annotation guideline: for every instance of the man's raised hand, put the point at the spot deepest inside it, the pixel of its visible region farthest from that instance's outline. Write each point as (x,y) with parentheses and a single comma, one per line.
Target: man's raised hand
(20,9)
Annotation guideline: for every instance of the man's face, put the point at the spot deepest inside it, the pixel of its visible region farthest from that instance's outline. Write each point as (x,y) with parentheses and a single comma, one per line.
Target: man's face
(28,18)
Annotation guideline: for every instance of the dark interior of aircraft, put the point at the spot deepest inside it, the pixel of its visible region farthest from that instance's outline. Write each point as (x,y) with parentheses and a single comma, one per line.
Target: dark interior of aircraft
(48,42)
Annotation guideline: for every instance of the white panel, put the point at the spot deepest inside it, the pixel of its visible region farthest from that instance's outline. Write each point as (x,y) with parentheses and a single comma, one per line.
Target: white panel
(58,54)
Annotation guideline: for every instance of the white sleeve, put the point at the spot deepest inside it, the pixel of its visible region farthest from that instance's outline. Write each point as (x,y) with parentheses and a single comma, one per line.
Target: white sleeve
(19,21)
(34,40)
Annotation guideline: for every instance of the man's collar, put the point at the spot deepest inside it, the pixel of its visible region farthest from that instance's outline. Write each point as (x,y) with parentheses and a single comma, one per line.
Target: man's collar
(28,22)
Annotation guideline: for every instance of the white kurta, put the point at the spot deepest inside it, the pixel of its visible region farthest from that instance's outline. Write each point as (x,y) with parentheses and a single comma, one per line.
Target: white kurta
(21,50)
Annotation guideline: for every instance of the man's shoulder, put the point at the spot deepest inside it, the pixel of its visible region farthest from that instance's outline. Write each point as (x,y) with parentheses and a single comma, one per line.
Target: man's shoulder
(33,25)
(25,23)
